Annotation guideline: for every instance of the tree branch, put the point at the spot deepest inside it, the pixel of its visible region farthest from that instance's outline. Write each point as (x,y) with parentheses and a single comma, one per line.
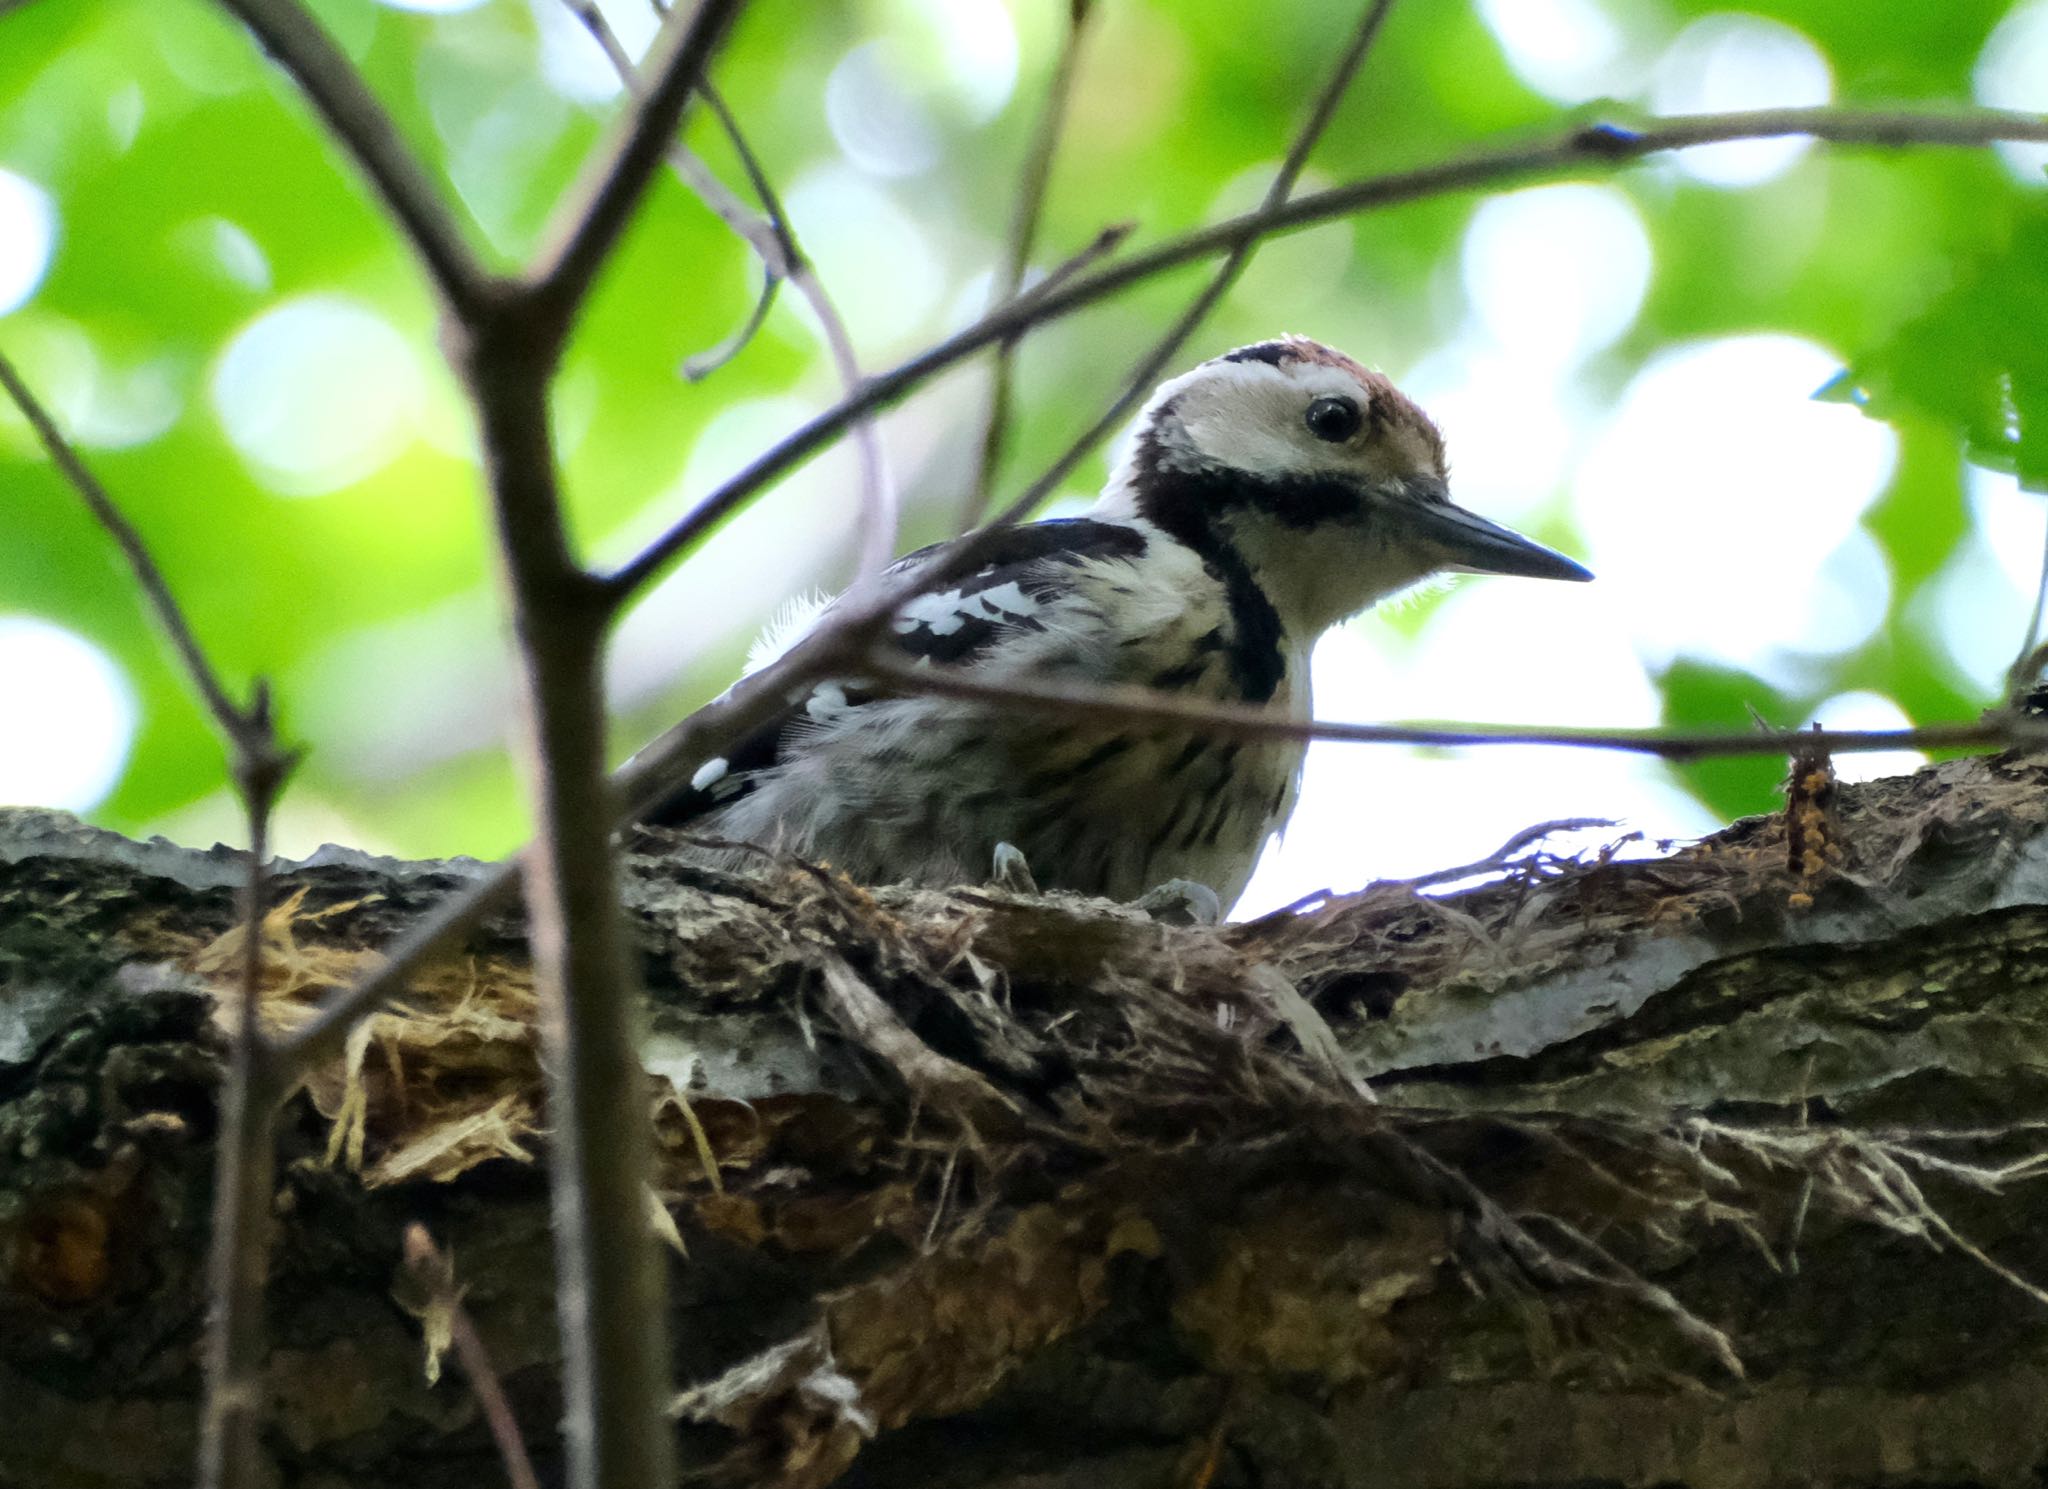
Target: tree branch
(434,1272)
(1138,705)
(2024,673)
(597,209)
(359,122)
(242,1184)
(1037,173)
(774,241)
(1599,146)
(610,1278)
(1144,376)
(238,725)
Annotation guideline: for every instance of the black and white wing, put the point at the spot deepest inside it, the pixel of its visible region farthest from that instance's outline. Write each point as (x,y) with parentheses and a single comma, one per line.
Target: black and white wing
(1023,571)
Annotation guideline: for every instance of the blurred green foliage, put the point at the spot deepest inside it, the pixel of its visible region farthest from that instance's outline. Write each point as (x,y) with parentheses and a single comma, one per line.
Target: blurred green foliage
(193,191)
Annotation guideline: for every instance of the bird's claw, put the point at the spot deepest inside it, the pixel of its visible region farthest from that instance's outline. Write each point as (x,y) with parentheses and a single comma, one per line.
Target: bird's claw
(1182,902)
(1011,872)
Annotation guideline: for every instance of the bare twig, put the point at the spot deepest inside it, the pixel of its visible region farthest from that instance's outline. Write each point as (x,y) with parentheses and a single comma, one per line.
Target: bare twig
(609,1275)
(700,365)
(1030,206)
(594,214)
(434,1272)
(773,248)
(880,516)
(236,723)
(774,241)
(1139,382)
(1126,704)
(2024,673)
(355,118)
(1580,148)
(1100,247)
(229,1453)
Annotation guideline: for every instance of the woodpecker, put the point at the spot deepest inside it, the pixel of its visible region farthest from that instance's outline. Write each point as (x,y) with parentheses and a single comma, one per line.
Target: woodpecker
(1266,496)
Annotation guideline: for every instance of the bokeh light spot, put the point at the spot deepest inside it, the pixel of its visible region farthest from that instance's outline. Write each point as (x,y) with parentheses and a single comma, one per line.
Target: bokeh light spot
(938,63)
(1736,61)
(432,7)
(1718,491)
(1867,710)
(317,393)
(876,118)
(2012,73)
(1373,812)
(1556,272)
(1978,604)
(83,714)
(1567,50)
(1506,420)
(28,235)
(224,248)
(859,235)
(574,65)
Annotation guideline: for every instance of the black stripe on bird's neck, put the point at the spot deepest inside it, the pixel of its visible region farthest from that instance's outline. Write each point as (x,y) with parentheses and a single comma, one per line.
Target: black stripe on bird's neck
(1185,506)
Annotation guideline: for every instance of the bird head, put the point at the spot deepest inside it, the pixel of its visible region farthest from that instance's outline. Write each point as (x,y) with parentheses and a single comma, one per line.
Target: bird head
(1318,475)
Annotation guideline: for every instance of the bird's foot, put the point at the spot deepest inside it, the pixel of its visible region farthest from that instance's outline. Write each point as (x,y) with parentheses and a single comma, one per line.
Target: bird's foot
(1181,902)
(1011,872)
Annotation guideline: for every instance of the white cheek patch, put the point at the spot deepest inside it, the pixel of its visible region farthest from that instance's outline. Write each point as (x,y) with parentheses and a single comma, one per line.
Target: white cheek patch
(1254,418)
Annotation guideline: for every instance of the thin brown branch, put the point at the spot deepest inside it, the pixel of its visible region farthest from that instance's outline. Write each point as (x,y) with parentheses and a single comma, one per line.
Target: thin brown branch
(434,1273)
(773,240)
(360,123)
(2024,674)
(1100,247)
(237,724)
(759,232)
(229,1456)
(609,1275)
(1579,148)
(1137,705)
(1029,208)
(1138,384)
(700,365)
(597,209)
(777,219)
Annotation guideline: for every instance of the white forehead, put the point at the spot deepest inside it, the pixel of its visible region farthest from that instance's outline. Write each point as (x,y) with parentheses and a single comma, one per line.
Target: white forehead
(1250,415)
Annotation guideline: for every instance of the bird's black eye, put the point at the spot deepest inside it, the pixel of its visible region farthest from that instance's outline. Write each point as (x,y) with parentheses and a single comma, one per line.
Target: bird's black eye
(1333,419)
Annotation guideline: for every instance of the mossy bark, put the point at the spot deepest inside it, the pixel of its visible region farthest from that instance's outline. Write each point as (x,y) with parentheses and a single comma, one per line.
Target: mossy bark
(1698,1171)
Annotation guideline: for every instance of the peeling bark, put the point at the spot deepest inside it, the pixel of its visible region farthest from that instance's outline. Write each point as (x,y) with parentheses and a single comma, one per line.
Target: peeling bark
(1716,1170)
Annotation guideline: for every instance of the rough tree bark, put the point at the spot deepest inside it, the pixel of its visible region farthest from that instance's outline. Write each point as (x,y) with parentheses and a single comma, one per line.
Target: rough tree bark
(1708,1170)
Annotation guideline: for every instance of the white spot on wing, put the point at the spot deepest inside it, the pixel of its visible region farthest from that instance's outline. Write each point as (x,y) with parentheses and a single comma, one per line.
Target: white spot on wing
(941,614)
(827,701)
(1008,598)
(709,774)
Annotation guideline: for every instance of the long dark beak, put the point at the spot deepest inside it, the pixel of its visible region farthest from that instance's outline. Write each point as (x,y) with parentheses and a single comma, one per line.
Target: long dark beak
(1470,544)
